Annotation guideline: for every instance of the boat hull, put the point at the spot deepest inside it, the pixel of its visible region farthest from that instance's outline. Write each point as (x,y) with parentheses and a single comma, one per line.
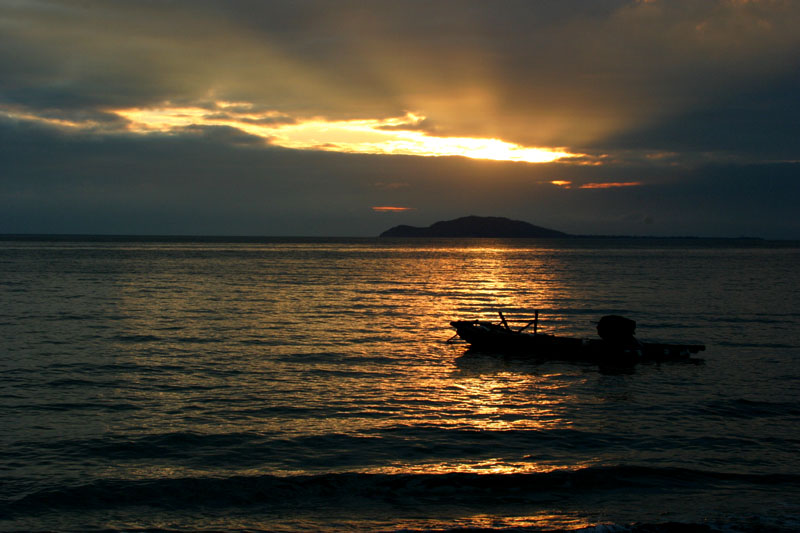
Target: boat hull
(490,337)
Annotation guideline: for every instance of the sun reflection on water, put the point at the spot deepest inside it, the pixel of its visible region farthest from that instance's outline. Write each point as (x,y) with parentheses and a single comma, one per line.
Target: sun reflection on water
(550,520)
(342,343)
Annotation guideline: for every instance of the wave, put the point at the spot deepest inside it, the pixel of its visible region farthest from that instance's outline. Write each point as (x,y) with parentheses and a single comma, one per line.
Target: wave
(735,344)
(411,444)
(743,408)
(136,338)
(352,488)
(266,452)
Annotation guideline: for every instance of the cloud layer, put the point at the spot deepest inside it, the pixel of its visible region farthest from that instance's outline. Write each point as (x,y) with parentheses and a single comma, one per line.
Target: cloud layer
(695,102)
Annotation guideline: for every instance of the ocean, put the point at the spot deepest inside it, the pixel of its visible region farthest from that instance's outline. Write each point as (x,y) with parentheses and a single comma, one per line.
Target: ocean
(306,384)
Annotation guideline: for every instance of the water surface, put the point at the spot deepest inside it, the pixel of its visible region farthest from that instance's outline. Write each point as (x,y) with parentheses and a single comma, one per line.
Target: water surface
(292,384)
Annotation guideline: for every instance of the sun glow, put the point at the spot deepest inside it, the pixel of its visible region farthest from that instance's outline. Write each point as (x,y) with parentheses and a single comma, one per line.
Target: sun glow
(394,135)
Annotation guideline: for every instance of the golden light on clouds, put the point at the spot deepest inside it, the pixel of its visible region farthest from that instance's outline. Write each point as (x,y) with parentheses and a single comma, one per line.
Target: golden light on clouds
(62,123)
(611,185)
(395,136)
(567,184)
(390,209)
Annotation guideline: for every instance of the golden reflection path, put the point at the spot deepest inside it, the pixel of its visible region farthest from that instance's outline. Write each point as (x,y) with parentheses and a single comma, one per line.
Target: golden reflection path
(474,281)
(360,335)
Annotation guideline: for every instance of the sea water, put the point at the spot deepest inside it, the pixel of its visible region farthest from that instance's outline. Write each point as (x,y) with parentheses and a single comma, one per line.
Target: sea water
(306,384)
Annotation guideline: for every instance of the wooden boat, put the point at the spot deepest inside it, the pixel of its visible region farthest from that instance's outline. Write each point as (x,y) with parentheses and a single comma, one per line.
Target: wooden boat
(616,345)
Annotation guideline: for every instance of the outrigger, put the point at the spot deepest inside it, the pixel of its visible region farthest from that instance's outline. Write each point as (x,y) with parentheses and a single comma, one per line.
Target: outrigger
(616,345)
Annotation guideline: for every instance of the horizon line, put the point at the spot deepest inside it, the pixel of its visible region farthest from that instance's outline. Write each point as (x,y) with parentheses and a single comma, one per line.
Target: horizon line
(243,237)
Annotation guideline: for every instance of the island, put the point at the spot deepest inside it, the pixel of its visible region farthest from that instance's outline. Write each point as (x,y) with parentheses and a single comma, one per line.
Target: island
(474,226)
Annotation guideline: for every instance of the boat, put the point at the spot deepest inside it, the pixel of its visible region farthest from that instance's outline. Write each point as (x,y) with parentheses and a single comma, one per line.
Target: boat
(616,345)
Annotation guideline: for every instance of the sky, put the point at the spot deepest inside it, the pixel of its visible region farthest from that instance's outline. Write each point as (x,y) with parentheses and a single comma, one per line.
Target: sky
(345,118)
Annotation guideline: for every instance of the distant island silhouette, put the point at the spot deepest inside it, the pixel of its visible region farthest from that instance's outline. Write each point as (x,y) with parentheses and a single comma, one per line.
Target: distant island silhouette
(474,226)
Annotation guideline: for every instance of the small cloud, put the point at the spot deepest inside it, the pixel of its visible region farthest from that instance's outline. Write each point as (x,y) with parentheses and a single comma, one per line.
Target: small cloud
(234,116)
(223,134)
(566,184)
(86,121)
(392,185)
(234,107)
(591,160)
(662,156)
(270,120)
(325,147)
(610,185)
(638,218)
(391,209)
(412,122)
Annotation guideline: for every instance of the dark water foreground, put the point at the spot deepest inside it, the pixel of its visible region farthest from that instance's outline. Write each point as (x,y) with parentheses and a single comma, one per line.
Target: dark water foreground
(424,501)
(305,385)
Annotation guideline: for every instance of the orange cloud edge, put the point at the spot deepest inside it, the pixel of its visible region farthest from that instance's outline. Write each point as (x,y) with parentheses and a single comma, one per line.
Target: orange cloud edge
(566,184)
(390,209)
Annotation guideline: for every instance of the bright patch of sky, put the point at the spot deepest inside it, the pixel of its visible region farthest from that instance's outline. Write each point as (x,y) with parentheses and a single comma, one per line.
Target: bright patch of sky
(393,136)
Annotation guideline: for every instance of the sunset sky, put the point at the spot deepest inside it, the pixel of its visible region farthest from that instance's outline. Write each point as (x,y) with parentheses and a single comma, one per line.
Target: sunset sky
(341,118)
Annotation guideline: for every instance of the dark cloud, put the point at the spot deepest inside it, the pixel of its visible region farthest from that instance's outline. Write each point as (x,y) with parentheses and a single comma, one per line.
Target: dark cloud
(218,183)
(760,123)
(224,135)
